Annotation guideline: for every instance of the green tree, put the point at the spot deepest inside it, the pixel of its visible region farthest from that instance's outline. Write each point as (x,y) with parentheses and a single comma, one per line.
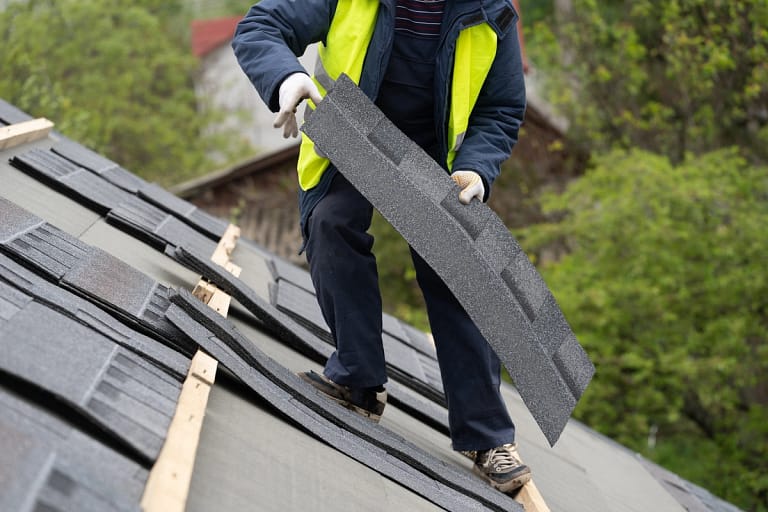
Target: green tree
(115,76)
(670,76)
(662,276)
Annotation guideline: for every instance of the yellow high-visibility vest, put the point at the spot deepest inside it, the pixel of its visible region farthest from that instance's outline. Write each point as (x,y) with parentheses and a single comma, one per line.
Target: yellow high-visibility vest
(344,52)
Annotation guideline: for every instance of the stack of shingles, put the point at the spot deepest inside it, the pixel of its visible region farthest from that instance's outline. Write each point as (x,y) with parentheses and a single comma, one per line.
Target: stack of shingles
(86,399)
(503,293)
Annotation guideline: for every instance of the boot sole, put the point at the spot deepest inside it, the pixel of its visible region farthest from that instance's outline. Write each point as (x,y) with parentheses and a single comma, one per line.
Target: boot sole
(376,418)
(505,487)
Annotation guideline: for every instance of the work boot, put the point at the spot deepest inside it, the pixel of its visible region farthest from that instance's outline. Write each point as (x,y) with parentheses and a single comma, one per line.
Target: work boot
(501,467)
(368,402)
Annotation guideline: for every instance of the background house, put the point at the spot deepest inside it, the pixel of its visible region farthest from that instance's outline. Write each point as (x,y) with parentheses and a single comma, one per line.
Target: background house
(222,86)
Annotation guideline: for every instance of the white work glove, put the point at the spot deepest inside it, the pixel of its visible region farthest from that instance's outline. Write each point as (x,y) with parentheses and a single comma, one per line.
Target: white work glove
(471,185)
(293,90)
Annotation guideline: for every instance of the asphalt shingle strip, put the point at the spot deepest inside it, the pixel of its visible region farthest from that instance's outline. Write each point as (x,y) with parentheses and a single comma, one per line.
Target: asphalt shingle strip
(503,294)
(107,169)
(56,467)
(66,259)
(163,199)
(151,223)
(41,290)
(272,320)
(103,381)
(150,192)
(119,287)
(369,443)
(283,270)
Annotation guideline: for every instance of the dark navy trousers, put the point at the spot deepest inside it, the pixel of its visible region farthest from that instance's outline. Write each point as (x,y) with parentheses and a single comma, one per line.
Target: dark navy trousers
(344,273)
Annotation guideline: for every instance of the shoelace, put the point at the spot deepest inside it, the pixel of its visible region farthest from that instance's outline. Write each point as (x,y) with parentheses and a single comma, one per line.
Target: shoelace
(503,459)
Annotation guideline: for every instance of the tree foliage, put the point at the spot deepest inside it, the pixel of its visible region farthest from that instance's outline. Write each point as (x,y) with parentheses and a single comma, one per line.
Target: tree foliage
(115,76)
(663,279)
(671,76)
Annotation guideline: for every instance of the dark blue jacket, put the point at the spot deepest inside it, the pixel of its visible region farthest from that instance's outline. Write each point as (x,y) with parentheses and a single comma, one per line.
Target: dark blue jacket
(274,32)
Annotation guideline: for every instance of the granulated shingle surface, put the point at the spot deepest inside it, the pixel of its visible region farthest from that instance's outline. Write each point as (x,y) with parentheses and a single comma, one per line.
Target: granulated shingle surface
(166,201)
(500,290)
(56,467)
(104,381)
(54,297)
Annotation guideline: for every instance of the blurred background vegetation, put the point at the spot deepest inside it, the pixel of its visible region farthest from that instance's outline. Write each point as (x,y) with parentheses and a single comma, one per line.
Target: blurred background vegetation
(654,244)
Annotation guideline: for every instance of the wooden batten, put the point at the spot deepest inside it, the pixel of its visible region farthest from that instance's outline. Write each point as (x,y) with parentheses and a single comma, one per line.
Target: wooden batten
(168,484)
(22,133)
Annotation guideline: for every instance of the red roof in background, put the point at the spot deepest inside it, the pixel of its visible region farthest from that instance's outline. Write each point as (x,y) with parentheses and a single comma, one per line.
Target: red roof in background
(207,35)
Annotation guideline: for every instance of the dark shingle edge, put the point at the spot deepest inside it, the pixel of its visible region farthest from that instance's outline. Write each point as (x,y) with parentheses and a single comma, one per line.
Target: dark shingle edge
(154,216)
(105,385)
(403,361)
(369,443)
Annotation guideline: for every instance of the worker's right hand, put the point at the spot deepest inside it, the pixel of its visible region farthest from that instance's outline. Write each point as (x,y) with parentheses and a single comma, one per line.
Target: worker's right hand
(293,90)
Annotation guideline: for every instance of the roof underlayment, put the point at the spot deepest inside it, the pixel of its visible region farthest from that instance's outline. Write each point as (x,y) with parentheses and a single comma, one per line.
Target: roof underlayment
(97,328)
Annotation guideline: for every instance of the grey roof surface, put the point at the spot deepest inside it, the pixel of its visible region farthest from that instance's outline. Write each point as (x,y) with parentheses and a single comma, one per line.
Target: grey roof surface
(268,442)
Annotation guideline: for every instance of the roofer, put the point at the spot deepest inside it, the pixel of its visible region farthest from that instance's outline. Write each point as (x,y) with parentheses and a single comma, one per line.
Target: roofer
(449,74)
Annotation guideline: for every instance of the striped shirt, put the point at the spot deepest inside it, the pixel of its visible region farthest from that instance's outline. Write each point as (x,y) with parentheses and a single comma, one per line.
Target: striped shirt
(419,17)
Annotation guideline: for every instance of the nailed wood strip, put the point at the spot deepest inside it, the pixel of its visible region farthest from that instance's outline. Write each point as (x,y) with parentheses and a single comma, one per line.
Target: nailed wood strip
(211,295)
(168,485)
(531,499)
(27,131)
(226,245)
(529,496)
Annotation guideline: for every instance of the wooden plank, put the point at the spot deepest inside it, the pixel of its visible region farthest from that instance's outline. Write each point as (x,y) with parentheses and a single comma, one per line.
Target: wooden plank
(168,484)
(226,245)
(529,496)
(27,131)
(531,499)
(211,295)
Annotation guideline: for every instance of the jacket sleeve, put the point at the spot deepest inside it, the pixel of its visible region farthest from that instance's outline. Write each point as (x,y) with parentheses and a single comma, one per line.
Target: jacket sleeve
(271,36)
(497,114)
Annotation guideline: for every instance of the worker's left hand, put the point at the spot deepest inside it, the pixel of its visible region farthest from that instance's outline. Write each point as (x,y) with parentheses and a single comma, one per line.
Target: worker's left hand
(294,89)
(471,186)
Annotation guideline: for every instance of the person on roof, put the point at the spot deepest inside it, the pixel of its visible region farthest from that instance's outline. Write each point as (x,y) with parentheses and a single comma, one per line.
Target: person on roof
(449,74)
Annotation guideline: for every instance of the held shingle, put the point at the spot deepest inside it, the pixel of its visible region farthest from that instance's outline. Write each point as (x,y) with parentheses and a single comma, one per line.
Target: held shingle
(503,294)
